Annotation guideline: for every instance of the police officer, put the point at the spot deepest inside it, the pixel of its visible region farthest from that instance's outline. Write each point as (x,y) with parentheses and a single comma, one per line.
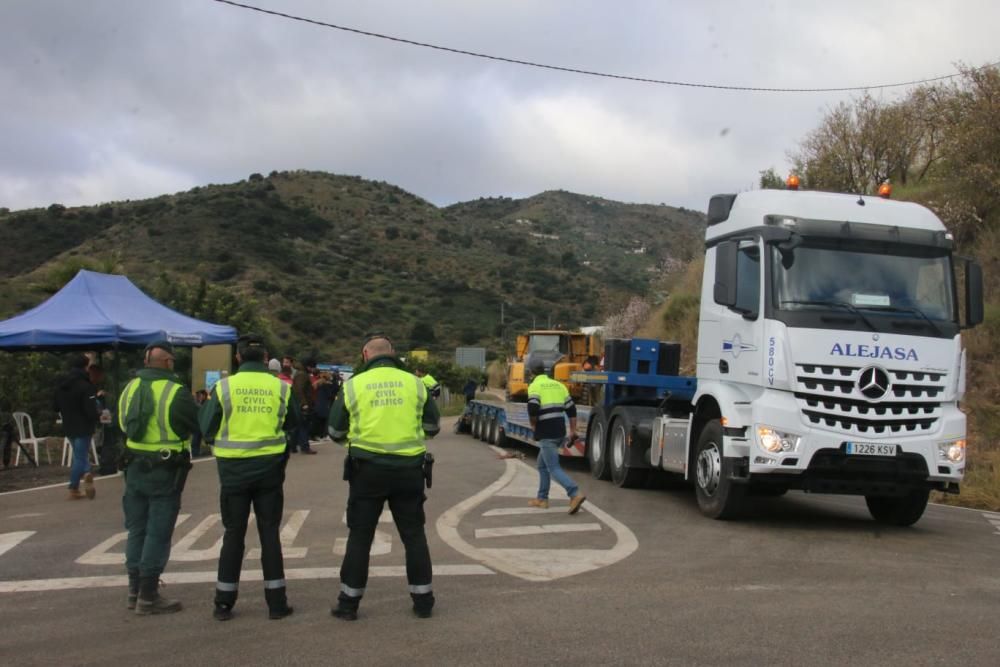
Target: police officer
(246,417)
(432,385)
(384,414)
(158,415)
(549,403)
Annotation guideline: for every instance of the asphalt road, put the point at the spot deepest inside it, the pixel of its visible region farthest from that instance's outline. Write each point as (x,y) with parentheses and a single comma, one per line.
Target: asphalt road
(640,577)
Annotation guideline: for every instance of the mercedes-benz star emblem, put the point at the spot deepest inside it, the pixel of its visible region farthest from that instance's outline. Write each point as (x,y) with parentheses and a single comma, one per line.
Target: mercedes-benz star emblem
(873,383)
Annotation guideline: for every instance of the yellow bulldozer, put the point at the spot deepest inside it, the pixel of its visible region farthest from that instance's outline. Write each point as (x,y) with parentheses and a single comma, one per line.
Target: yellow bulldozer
(563,351)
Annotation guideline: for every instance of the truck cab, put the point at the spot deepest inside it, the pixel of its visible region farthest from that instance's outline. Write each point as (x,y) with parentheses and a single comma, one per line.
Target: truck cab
(829,352)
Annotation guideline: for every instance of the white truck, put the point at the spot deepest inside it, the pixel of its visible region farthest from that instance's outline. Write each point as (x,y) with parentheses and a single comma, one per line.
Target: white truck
(829,360)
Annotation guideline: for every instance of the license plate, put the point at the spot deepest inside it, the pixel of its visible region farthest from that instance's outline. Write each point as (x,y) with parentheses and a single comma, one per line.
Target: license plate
(871,449)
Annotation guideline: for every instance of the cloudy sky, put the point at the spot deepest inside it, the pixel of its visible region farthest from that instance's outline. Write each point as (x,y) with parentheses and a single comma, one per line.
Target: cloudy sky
(125,99)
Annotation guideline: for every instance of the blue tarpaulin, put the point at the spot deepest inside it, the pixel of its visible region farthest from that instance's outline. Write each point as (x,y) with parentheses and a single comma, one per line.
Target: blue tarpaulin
(100,310)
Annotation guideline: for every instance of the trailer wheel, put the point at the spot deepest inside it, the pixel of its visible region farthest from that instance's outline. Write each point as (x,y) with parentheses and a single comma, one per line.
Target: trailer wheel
(622,474)
(477,423)
(597,447)
(491,431)
(501,437)
(718,497)
(903,511)
(484,427)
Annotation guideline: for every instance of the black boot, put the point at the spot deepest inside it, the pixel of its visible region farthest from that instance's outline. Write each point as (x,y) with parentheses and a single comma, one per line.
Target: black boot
(347,607)
(423,603)
(151,602)
(277,603)
(133,588)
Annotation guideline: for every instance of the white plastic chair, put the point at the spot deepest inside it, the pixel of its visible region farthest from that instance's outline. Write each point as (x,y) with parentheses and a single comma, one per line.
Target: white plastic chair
(26,436)
(67,453)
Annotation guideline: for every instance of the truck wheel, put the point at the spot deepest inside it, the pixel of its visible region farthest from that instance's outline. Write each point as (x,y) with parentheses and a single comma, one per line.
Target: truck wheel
(622,474)
(597,447)
(718,497)
(477,422)
(903,511)
(491,431)
(484,427)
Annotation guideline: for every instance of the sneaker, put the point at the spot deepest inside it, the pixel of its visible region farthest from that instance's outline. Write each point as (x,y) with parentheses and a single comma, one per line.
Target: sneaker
(75,494)
(344,613)
(278,614)
(131,600)
(222,612)
(575,502)
(539,503)
(88,486)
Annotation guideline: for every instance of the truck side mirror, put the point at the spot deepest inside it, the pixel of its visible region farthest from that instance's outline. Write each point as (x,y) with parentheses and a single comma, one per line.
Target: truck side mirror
(724,290)
(973,293)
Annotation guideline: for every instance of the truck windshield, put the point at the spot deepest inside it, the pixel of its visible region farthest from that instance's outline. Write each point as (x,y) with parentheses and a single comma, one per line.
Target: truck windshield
(546,343)
(865,280)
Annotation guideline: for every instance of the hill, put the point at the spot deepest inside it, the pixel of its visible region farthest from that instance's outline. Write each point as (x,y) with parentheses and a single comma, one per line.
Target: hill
(325,258)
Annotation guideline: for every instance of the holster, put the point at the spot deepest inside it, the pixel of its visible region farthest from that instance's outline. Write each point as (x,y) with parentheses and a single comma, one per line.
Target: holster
(428,469)
(183,465)
(125,457)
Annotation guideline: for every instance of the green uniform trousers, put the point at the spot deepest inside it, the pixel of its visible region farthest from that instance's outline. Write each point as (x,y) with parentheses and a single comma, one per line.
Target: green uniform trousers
(151,503)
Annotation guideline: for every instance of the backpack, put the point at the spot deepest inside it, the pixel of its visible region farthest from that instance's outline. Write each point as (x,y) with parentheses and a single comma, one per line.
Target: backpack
(141,409)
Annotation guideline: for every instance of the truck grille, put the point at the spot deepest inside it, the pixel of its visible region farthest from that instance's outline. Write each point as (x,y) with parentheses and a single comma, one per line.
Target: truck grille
(829,397)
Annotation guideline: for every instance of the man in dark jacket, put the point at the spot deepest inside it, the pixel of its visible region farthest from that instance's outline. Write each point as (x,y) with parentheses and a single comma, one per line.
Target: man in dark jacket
(76,400)
(305,396)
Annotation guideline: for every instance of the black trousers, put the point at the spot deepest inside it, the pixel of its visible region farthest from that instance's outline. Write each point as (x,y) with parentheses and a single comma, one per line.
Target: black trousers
(371,486)
(268,500)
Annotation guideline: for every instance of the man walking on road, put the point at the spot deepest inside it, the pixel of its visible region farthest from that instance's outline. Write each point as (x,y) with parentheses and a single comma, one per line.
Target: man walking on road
(158,415)
(384,413)
(76,401)
(548,402)
(247,417)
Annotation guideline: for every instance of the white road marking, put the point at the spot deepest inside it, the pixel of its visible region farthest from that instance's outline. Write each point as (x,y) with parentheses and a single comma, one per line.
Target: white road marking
(10,540)
(519,480)
(508,511)
(26,515)
(182,551)
(36,585)
(381,545)
(513,531)
(994,520)
(96,479)
(288,534)
(100,555)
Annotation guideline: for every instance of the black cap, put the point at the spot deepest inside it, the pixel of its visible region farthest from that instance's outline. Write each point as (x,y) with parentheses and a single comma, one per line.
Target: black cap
(164,345)
(249,341)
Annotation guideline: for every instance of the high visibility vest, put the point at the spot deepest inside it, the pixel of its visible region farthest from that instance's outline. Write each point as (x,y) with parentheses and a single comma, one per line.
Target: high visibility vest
(551,396)
(254,406)
(158,434)
(386,408)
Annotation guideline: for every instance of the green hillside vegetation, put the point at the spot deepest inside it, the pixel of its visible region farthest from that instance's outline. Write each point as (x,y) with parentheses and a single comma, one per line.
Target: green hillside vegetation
(940,146)
(326,258)
(315,260)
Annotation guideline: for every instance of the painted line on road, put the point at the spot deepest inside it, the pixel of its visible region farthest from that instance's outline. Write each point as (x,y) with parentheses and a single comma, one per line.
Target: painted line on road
(508,511)
(68,583)
(26,515)
(288,534)
(10,540)
(513,531)
(96,479)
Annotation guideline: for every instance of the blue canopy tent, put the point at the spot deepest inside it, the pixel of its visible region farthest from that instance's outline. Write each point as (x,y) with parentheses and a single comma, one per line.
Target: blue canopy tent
(97,310)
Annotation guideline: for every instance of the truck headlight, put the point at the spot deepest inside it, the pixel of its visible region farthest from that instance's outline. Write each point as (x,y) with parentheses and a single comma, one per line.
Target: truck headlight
(952,451)
(774,441)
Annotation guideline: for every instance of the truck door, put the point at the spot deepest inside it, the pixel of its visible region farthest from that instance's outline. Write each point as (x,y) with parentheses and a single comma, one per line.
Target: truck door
(740,328)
